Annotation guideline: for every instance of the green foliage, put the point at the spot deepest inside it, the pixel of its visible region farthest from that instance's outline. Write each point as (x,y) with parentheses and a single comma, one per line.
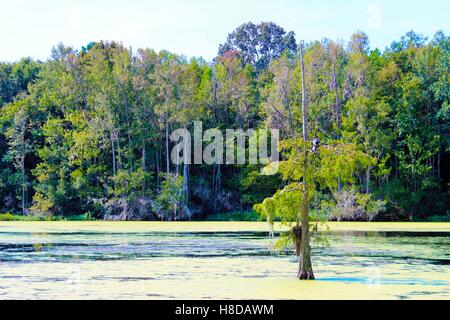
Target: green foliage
(90,126)
(169,202)
(131,185)
(254,186)
(259,44)
(350,205)
(320,170)
(433,219)
(13,217)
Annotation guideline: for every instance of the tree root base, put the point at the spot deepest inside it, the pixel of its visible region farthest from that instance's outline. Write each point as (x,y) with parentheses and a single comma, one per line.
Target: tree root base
(306,275)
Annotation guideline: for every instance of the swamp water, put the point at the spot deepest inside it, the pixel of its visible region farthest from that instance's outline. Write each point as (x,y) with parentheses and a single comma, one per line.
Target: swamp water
(102,260)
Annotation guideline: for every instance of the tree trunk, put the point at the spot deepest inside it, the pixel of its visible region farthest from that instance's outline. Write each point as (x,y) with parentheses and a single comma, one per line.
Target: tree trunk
(288,107)
(439,165)
(337,114)
(304,108)
(216,185)
(337,110)
(167,149)
(368,174)
(305,271)
(119,153)
(218,179)
(113,150)
(186,162)
(23,185)
(186,184)
(158,168)
(127,119)
(144,165)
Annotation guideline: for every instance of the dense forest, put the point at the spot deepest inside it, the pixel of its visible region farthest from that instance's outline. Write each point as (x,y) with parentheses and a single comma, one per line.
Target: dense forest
(87,132)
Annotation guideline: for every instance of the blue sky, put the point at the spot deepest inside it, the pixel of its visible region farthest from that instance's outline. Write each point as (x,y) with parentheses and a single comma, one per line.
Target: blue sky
(196,27)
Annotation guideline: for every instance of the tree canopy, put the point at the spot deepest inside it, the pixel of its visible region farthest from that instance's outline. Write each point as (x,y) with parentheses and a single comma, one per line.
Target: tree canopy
(259,44)
(88,130)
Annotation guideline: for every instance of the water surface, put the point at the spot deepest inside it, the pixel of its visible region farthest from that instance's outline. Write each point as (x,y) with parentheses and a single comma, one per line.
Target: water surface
(218,261)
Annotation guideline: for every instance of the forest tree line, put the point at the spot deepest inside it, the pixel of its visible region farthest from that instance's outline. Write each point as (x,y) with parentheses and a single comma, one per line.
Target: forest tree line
(87,131)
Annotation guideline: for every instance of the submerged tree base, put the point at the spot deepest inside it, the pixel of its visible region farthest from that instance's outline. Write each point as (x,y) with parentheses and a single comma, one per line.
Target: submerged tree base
(306,275)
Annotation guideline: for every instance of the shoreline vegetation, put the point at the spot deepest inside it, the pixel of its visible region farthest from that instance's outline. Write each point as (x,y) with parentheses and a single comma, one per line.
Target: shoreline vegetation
(248,216)
(363,132)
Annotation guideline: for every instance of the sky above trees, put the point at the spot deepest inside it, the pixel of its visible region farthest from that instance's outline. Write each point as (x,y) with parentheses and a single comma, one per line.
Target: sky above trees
(194,28)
